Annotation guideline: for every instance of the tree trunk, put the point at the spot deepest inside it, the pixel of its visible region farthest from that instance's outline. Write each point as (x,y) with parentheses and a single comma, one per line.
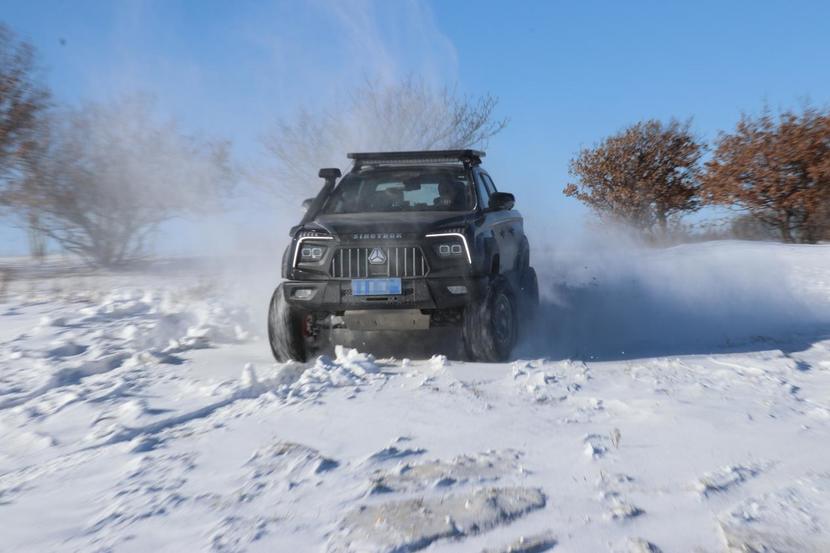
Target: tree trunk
(809,234)
(662,221)
(37,240)
(786,231)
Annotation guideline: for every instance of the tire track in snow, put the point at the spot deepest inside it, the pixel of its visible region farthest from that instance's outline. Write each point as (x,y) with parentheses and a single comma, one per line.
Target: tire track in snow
(67,377)
(15,481)
(292,381)
(127,326)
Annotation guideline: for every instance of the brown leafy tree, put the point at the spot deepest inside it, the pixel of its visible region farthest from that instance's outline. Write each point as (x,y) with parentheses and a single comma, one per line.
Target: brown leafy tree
(640,176)
(23,101)
(819,222)
(777,170)
(744,226)
(405,115)
(106,176)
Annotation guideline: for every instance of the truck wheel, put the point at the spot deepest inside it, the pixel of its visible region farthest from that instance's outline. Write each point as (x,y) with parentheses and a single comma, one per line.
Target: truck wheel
(285,329)
(490,324)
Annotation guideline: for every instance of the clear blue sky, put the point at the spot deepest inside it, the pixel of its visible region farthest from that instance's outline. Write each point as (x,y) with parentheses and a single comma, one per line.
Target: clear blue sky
(566,73)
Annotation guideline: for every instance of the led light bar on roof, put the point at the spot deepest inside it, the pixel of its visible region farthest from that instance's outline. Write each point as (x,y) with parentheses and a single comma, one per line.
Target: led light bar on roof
(472,157)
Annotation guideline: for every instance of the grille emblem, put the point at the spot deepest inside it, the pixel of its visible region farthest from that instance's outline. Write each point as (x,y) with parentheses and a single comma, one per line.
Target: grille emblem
(377,257)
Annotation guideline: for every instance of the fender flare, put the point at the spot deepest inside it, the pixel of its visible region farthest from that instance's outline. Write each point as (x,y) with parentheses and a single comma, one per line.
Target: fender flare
(491,251)
(286,261)
(523,256)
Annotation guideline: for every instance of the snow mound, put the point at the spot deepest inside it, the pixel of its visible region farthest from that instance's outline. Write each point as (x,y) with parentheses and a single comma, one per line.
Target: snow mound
(150,487)
(530,544)
(549,384)
(166,319)
(125,328)
(393,452)
(283,466)
(348,368)
(795,519)
(234,533)
(623,510)
(726,478)
(414,524)
(639,545)
(596,445)
(483,467)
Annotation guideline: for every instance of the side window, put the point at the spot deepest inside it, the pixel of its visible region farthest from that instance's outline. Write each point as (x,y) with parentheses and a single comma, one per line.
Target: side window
(483,193)
(488,182)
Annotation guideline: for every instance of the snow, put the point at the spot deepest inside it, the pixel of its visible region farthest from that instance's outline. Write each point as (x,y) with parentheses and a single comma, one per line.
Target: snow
(672,400)
(413,524)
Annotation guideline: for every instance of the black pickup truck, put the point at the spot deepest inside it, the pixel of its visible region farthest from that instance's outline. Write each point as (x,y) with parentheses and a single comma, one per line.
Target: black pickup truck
(406,241)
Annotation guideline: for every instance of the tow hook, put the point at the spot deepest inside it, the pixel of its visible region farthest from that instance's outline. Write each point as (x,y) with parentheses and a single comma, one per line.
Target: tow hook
(308,326)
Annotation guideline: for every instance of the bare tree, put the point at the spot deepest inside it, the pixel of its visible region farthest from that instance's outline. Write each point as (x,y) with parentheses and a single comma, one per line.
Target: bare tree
(104,177)
(778,170)
(640,176)
(406,115)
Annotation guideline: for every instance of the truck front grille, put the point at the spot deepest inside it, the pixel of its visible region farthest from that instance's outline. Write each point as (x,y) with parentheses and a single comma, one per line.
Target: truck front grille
(401,261)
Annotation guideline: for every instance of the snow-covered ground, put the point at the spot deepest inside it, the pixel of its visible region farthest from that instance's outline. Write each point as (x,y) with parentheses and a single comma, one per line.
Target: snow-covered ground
(678,400)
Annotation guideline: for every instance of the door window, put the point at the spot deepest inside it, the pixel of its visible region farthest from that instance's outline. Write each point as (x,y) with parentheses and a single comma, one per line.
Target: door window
(483,193)
(488,183)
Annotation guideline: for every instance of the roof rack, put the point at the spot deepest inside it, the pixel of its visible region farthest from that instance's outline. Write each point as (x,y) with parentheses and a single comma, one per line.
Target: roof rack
(467,157)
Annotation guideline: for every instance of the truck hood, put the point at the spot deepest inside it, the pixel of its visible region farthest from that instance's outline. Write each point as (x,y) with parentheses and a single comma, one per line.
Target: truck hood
(417,222)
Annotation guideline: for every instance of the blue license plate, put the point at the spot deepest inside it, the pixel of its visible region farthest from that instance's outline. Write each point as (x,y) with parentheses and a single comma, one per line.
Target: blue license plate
(376,287)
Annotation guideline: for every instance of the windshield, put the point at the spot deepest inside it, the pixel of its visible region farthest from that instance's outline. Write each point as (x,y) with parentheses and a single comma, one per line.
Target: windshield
(386,190)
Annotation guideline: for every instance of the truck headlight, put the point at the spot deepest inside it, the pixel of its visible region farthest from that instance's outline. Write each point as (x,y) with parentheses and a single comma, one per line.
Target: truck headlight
(311,252)
(452,244)
(307,251)
(449,249)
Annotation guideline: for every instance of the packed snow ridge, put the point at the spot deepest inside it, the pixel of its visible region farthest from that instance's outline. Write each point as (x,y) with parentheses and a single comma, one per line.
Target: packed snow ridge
(144,412)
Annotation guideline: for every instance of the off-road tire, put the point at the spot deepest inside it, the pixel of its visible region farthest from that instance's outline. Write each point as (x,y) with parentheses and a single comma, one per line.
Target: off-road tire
(490,326)
(285,329)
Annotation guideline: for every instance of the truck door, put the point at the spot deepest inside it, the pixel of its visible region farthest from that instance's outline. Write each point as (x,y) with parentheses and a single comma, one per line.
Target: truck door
(507,228)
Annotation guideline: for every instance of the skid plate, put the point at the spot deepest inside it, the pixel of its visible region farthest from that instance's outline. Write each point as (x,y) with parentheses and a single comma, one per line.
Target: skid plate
(398,319)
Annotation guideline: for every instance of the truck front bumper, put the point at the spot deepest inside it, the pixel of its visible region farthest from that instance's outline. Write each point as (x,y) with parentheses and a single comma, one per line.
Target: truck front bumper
(335,296)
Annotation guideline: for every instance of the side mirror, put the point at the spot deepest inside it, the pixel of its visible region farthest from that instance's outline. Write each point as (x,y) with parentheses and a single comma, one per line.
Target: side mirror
(502,201)
(307,203)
